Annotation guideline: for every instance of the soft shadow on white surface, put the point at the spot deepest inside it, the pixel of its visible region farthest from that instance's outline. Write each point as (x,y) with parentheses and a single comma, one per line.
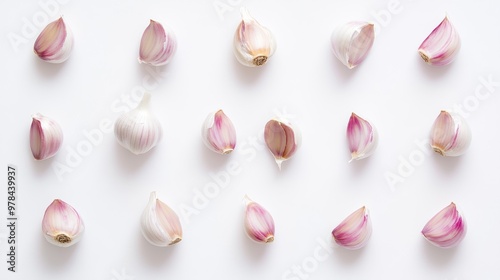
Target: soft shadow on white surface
(430,71)
(54,257)
(40,167)
(128,161)
(248,75)
(212,160)
(155,256)
(446,165)
(438,257)
(254,251)
(347,257)
(341,74)
(46,69)
(357,167)
(153,76)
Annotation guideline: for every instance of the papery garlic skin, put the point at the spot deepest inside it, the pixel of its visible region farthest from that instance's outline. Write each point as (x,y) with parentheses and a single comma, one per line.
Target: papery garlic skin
(259,224)
(138,130)
(282,139)
(354,231)
(160,225)
(218,133)
(352,42)
(447,228)
(362,137)
(46,137)
(442,45)
(61,224)
(253,44)
(158,45)
(450,134)
(55,42)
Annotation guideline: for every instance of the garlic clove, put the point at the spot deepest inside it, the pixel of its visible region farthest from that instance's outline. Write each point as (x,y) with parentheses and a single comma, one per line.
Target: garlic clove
(362,137)
(259,224)
(46,137)
(157,44)
(351,42)
(61,224)
(447,228)
(253,44)
(160,225)
(55,42)
(450,135)
(138,130)
(218,133)
(282,139)
(354,231)
(442,45)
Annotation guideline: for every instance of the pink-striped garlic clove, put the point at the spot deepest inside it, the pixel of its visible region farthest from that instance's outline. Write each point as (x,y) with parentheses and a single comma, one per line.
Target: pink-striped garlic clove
(46,137)
(447,228)
(158,44)
(362,137)
(442,45)
(253,44)
(354,231)
(55,42)
(351,42)
(450,134)
(259,224)
(160,225)
(282,139)
(218,133)
(61,224)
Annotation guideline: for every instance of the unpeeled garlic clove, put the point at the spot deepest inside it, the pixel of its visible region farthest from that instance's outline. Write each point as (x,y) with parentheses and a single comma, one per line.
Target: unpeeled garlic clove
(282,139)
(218,133)
(157,44)
(259,224)
(354,231)
(61,224)
(447,228)
(450,134)
(55,42)
(253,44)
(138,130)
(160,225)
(362,137)
(351,42)
(46,137)
(442,45)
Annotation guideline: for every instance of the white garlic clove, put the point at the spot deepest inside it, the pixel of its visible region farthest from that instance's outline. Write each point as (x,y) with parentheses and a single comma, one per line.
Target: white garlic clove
(55,42)
(218,133)
(442,45)
(282,139)
(160,225)
(61,224)
(253,43)
(138,130)
(259,224)
(354,231)
(362,137)
(157,45)
(46,137)
(447,228)
(351,42)
(450,135)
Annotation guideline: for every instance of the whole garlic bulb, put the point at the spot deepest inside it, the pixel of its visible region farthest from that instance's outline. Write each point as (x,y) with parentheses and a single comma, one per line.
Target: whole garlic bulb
(61,224)
(55,42)
(46,137)
(160,225)
(158,45)
(138,130)
(253,44)
(351,42)
(450,134)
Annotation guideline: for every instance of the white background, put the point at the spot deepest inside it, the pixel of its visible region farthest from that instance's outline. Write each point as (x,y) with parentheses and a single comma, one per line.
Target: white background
(316,189)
